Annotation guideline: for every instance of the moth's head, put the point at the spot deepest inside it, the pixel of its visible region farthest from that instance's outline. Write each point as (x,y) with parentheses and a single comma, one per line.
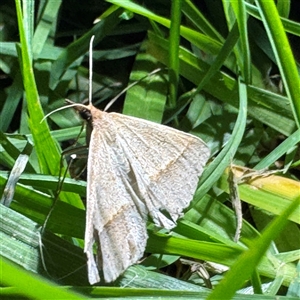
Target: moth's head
(85,114)
(83,110)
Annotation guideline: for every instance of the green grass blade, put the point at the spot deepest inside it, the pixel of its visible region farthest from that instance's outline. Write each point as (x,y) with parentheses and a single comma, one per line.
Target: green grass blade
(279,151)
(32,286)
(47,150)
(174,51)
(78,48)
(289,25)
(28,22)
(45,25)
(284,8)
(36,205)
(294,288)
(248,260)
(198,19)
(14,94)
(217,167)
(17,170)
(273,111)
(147,98)
(163,243)
(48,154)
(243,56)
(202,41)
(283,54)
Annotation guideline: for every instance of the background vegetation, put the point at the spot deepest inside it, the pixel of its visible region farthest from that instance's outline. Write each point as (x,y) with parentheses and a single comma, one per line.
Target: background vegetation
(228,74)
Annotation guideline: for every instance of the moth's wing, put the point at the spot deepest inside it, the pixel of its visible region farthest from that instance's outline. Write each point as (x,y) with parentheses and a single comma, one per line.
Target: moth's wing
(165,165)
(112,217)
(135,167)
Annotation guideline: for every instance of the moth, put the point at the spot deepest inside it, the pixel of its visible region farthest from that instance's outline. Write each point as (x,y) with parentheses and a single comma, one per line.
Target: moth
(136,168)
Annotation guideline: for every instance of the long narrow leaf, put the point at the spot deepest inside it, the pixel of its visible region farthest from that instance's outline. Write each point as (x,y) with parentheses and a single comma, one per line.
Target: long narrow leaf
(247,262)
(48,153)
(283,53)
(174,51)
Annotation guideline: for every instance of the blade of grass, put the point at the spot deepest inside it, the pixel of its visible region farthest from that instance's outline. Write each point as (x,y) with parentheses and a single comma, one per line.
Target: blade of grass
(217,252)
(198,19)
(81,46)
(225,51)
(17,170)
(273,110)
(226,254)
(41,252)
(279,151)
(28,22)
(45,25)
(147,98)
(283,54)
(214,171)
(243,56)
(14,94)
(47,150)
(174,51)
(36,205)
(42,182)
(294,288)
(206,43)
(31,285)
(284,8)
(211,220)
(289,25)
(249,260)
(48,154)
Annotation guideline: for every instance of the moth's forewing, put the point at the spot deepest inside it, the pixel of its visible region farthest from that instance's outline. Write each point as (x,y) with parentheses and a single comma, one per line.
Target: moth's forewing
(135,168)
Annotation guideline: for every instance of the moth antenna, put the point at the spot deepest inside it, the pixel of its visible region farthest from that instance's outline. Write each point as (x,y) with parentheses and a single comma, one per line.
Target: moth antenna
(90,84)
(112,101)
(61,108)
(91,69)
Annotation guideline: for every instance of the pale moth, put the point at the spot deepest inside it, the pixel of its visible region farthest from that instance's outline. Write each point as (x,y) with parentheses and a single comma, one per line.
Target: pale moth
(135,168)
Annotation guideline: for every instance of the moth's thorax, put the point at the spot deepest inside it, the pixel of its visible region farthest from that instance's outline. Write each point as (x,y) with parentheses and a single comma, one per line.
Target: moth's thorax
(96,116)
